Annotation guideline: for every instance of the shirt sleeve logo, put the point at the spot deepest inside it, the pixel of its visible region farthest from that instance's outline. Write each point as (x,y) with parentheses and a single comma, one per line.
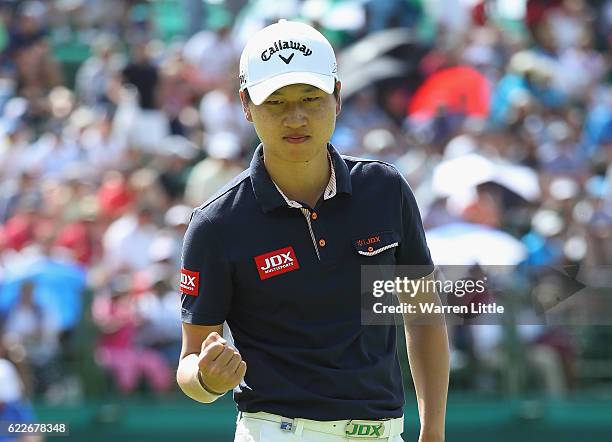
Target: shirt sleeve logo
(190,282)
(276,263)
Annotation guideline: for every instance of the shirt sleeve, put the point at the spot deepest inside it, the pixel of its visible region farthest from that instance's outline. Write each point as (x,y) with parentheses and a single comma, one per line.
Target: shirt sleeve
(206,284)
(413,248)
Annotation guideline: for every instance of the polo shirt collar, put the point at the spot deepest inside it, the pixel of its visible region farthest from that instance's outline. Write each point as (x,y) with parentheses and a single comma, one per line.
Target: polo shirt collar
(270,197)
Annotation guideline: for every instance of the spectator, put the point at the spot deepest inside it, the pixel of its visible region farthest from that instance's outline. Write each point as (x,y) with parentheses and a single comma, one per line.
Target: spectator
(221,113)
(81,236)
(96,78)
(363,116)
(116,316)
(213,52)
(178,154)
(18,191)
(141,73)
(210,174)
(18,230)
(126,238)
(159,309)
(148,124)
(37,71)
(37,331)
(14,407)
(14,142)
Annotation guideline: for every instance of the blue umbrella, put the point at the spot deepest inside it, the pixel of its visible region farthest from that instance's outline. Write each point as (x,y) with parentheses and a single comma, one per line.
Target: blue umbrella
(58,288)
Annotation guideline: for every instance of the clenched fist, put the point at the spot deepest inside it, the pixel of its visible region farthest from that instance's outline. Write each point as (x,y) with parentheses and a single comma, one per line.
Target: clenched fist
(221,367)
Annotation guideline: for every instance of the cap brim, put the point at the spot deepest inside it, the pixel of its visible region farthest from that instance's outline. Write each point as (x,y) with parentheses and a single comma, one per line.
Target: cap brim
(259,92)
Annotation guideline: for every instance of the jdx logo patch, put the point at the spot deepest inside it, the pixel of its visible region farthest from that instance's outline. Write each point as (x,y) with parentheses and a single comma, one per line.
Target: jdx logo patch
(276,263)
(365,429)
(368,241)
(190,282)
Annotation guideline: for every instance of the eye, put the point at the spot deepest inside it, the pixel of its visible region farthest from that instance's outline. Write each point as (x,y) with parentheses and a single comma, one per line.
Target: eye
(273,102)
(311,99)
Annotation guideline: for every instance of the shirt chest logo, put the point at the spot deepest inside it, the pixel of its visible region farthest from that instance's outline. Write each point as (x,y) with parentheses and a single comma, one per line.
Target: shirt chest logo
(276,263)
(368,241)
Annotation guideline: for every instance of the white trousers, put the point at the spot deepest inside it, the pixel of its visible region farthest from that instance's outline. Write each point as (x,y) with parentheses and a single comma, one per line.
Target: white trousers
(257,430)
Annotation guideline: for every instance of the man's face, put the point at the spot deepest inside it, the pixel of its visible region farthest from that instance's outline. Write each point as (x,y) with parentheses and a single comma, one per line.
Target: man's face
(295,122)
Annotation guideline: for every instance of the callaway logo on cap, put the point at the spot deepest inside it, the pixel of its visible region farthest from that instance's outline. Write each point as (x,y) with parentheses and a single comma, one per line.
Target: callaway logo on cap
(286,53)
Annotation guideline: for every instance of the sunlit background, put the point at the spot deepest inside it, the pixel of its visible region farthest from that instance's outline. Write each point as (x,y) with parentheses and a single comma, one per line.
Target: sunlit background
(119,116)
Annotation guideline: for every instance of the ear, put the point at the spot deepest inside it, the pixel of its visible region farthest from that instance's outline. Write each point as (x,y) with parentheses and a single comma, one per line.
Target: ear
(338,98)
(245,107)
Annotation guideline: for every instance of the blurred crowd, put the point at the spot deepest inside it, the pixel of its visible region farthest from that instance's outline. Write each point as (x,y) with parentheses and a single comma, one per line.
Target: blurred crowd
(100,167)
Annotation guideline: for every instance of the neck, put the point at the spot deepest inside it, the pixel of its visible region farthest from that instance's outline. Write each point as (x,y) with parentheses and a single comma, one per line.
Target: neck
(302,181)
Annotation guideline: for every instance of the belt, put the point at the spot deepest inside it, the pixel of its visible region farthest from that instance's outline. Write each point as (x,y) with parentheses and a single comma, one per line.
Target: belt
(350,428)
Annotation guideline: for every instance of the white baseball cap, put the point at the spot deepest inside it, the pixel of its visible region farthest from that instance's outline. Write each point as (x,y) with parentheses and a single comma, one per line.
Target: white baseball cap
(286,53)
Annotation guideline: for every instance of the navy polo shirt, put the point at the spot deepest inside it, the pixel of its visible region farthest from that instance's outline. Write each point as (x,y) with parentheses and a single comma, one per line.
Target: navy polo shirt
(287,281)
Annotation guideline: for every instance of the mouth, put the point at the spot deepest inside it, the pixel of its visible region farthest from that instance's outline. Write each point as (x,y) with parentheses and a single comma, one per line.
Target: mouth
(296,139)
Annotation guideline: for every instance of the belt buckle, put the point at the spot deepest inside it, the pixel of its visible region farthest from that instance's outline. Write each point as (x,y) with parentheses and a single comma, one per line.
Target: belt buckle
(364,429)
(286,424)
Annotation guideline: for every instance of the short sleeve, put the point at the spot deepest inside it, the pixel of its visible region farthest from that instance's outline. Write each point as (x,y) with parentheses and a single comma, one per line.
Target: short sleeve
(206,284)
(413,248)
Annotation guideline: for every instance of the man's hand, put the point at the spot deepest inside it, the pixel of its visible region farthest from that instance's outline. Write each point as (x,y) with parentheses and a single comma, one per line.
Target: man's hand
(221,367)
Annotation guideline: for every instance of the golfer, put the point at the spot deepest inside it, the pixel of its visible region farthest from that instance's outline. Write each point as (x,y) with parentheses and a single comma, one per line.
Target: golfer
(277,255)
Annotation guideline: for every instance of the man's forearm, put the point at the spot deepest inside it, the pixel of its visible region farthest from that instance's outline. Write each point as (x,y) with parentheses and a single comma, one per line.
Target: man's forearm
(429,364)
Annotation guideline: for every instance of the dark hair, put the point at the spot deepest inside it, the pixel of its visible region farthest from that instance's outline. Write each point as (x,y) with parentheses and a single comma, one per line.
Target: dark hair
(336,92)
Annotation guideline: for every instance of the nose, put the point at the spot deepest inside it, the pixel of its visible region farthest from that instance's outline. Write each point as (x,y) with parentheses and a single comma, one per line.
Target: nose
(294,117)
